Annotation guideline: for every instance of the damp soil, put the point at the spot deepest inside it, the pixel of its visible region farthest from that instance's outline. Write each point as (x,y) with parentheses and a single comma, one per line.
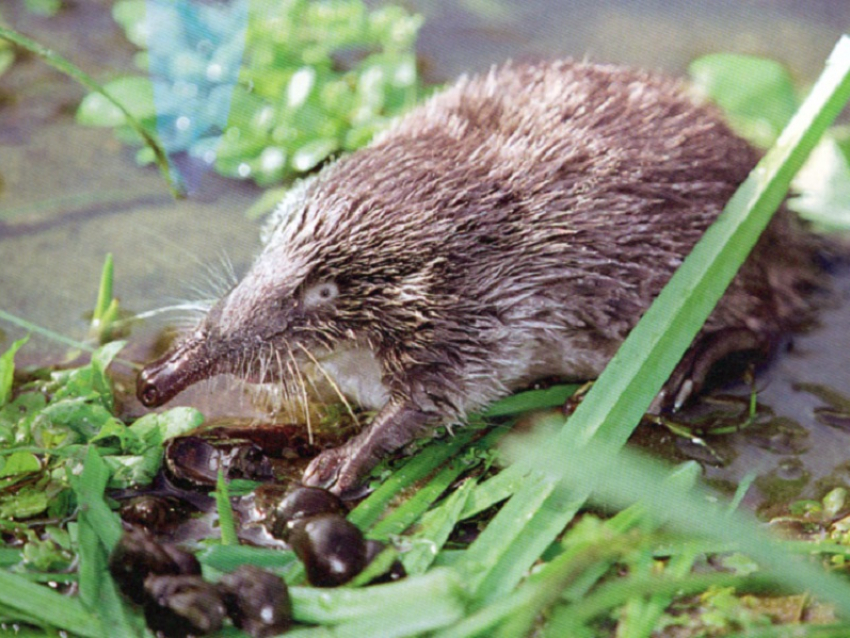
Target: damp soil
(69,195)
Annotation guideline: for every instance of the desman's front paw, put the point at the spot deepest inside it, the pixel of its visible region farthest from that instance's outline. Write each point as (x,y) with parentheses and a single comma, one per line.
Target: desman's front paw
(335,470)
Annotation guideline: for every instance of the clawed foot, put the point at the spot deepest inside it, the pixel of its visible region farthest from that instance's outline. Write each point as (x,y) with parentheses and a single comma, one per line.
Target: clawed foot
(336,471)
(690,375)
(342,469)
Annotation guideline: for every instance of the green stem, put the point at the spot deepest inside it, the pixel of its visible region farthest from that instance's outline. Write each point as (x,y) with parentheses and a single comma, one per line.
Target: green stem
(59,338)
(75,72)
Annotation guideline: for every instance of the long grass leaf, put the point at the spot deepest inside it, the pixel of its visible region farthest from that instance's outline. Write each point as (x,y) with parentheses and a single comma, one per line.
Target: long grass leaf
(414,469)
(436,598)
(50,607)
(226,520)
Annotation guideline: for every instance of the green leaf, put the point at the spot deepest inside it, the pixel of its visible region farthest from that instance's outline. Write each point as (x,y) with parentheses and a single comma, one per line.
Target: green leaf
(23,504)
(134,93)
(823,188)
(129,470)
(19,463)
(157,427)
(131,15)
(71,420)
(103,356)
(757,94)
(7,370)
(49,553)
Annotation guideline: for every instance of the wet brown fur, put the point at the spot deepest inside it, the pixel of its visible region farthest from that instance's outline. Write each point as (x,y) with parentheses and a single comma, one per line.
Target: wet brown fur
(515,226)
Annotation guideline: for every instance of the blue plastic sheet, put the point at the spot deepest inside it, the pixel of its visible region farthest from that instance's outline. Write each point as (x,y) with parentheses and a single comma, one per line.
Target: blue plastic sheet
(195,51)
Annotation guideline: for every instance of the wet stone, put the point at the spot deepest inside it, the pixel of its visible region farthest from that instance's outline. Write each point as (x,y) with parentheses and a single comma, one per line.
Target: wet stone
(181,606)
(332,549)
(138,555)
(257,601)
(152,511)
(396,570)
(302,503)
(196,461)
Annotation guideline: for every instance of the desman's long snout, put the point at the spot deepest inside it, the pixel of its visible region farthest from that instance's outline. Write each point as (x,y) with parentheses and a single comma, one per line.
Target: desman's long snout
(185,364)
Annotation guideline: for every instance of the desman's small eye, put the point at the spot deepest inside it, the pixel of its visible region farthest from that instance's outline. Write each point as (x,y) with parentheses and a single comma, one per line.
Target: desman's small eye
(320,293)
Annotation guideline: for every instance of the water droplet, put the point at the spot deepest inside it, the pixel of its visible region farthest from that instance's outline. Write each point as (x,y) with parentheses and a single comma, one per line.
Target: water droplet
(272,159)
(300,86)
(182,123)
(264,116)
(215,72)
(244,170)
(405,74)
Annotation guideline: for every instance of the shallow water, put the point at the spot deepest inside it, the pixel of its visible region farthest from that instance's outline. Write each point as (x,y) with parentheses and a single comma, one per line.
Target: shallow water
(70,194)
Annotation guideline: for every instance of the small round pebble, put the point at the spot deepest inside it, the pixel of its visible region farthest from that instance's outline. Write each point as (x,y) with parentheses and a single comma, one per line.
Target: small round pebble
(332,549)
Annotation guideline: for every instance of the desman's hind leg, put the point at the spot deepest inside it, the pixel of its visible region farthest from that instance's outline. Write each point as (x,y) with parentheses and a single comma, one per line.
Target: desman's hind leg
(708,350)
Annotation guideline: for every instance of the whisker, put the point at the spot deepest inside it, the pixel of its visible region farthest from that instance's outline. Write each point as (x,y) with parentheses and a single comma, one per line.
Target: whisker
(191,306)
(330,380)
(290,400)
(281,373)
(229,272)
(300,377)
(262,365)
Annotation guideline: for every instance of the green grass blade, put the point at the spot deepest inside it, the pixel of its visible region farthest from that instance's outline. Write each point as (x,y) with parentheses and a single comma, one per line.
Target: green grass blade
(634,477)
(226,520)
(414,469)
(99,529)
(90,487)
(104,291)
(408,606)
(403,516)
(50,607)
(615,404)
(434,530)
(553,397)
(495,489)
(7,370)
(226,558)
(73,71)
(60,338)
(413,508)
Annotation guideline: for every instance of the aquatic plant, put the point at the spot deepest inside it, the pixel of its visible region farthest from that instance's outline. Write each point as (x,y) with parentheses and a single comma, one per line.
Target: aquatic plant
(262,90)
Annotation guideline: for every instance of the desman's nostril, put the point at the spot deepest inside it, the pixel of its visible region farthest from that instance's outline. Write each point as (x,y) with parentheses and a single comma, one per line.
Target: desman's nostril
(148,395)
